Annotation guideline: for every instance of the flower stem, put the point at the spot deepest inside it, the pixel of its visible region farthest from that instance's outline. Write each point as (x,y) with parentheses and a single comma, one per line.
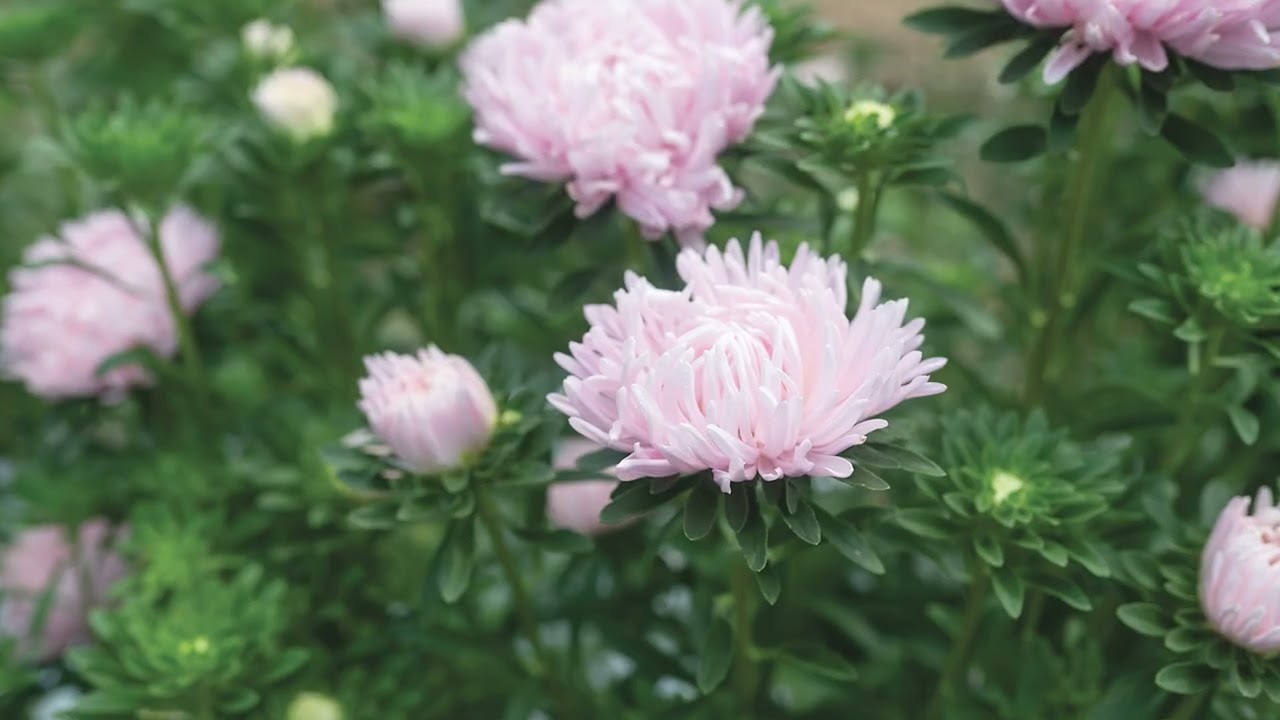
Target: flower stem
(746,672)
(191,359)
(1187,429)
(864,219)
(1061,276)
(963,647)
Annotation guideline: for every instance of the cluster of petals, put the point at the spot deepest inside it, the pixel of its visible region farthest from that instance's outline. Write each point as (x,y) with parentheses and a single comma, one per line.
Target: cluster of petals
(753,369)
(95,291)
(431,409)
(38,571)
(626,100)
(1240,571)
(1250,191)
(1226,34)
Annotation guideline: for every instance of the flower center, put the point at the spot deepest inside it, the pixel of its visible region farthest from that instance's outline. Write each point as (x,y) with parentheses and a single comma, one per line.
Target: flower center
(1004,484)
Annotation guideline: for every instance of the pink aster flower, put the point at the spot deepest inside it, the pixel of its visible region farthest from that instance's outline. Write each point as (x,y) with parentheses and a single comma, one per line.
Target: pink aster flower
(630,100)
(752,370)
(39,569)
(1227,34)
(576,505)
(432,409)
(95,291)
(1250,191)
(429,23)
(1239,574)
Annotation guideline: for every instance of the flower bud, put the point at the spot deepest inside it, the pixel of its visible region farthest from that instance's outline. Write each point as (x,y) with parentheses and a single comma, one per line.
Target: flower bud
(264,40)
(432,409)
(1239,575)
(576,505)
(297,101)
(314,706)
(426,23)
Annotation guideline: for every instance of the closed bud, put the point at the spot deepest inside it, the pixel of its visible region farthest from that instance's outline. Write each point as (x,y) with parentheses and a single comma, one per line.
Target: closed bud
(297,101)
(433,410)
(266,41)
(427,23)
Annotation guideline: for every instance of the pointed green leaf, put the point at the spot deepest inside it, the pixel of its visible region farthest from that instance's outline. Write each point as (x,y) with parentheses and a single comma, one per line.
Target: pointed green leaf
(1010,591)
(737,505)
(849,542)
(1144,619)
(753,538)
(1196,143)
(803,522)
(700,510)
(987,546)
(1015,144)
(716,656)
(455,560)
(1185,678)
(770,584)
(1027,59)
(1245,423)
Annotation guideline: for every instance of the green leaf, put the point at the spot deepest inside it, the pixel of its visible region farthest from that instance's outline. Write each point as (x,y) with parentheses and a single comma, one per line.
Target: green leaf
(1065,590)
(556,541)
(818,660)
(803,522)
(1210,77)
(925,523)
(865,479)
(1081,84)
(1185,678)
(849,542)
(1143,618)
(737,505)
(238,701)
(1027,59)
(907,460)
(770,584)
(753,538)
(716,656)
(633,499)
(1197,144)
(1153,108)
(700,510)
(1154,309)
(947,20)
(987,546)
(1000,29)
(455,560)
(1010,591)
(286,664)
(989,226)
(1245,424)
(1015,144)
(601,460)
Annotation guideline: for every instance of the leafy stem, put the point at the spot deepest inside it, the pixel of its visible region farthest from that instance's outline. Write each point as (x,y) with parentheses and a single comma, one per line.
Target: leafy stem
(1184,436)
(963,646)
(1061,276)
(746,672)
(191,360)
(864,219)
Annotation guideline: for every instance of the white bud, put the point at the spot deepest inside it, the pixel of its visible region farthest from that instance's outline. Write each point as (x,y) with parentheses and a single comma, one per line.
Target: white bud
(264,40)
(314,706)
(298,101)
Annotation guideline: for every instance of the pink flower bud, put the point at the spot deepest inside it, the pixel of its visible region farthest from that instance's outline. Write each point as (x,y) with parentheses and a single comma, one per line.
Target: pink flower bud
(41,563)
(1239,574)
(433,409)
(576,505)
(1250,191)
(428,23)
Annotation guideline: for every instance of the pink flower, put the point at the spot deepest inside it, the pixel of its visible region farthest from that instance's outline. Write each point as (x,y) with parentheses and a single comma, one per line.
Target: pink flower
(630,100)
(1250,191)
(830,68)
(1227,34)
(1239,574)
(40,564)
(95,292)
(429,23)
(753,369)
(433,409)
(576,505)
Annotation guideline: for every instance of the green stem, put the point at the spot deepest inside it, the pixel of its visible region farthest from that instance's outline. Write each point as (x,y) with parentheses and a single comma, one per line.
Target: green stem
(191,359)
(746,672)
(864,219)
(1190,706)
(1184,438)
(1031,618)
(492,521)
(1062,282)
(958,659)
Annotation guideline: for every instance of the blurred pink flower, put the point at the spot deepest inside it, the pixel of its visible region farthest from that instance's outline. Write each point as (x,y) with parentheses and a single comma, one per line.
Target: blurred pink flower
(429,23)
(433,409)
(95,292)
(576,505)
(38,568)
(830,68)
(1227,34)
(1239,574)
(625,99)
(1250,191)
(753,369)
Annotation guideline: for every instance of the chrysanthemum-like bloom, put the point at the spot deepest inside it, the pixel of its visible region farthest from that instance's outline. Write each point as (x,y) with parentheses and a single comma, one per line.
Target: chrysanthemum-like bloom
(625,99)
(1227,34)
(95,292)
(1250,191)
(752,370)
(428,23)
(1240,574)
(576,505)
(38,568)
(433,409)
